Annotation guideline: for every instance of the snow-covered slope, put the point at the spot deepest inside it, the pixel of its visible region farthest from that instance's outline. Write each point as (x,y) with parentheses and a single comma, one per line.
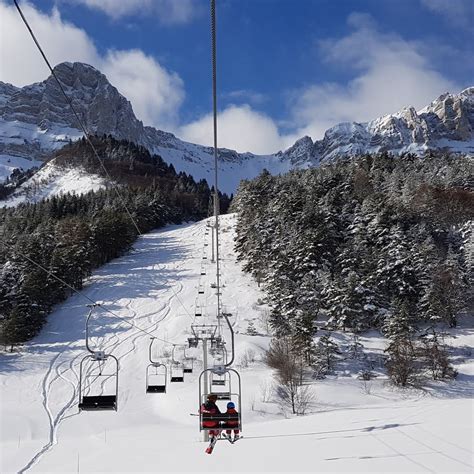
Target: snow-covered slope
(8,164)
(52,180)
(351,427)
(36,119)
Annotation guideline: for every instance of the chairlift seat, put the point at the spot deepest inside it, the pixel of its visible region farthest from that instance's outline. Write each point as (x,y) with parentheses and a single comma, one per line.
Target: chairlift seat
(218,382)
(221,420)
(98,402)
(223,395)
(156,389)
(188,371)
(177,379)
(193,341)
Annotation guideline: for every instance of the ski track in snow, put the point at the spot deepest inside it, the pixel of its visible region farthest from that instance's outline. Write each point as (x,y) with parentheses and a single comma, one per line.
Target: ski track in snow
(54,421)
(165,289)
(114,346)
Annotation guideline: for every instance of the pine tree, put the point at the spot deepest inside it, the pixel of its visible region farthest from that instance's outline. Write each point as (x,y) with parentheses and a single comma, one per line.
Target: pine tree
(435,356)
(402,363)
(325,355)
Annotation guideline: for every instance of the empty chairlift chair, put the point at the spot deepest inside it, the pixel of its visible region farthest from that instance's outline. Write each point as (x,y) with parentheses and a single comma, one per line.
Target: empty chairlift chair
(220,381)
(156,374)
(176,372)
(188,363)
(198,308)
(177,368)
(98,379)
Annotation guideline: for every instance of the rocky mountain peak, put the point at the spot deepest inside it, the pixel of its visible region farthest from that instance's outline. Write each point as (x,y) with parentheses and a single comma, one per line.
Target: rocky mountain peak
(99,104)
(300,152)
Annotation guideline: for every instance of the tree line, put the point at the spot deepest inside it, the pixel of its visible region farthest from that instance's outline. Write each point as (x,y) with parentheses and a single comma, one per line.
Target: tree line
(372,242)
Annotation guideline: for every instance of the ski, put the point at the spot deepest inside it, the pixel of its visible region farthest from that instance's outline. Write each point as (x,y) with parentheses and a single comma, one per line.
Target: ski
(210,448)
(228,438)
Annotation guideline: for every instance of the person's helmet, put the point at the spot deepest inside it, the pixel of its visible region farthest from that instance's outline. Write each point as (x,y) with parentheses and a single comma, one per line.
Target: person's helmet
(212,397)
(231,405)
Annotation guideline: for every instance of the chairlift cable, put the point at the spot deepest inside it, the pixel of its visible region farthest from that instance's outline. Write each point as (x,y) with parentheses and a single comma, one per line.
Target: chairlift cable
(216,188)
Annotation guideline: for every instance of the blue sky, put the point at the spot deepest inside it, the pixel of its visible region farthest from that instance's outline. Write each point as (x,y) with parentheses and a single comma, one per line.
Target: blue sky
(285,67)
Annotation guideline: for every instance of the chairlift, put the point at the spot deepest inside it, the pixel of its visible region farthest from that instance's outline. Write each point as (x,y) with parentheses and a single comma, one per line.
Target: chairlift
(177,368)
(200,289)
(156,374)
(218,380)
(177,372)
(217,343)
(98,373)
(221,421)
(188,363)
(202,331)
(193,342)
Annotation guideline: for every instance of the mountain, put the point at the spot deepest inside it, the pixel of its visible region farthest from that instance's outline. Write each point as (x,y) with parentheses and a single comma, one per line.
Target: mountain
(36,119)
(448,122)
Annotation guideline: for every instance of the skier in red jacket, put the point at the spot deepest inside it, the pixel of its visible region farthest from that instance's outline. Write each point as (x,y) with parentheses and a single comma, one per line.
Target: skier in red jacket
(210,408)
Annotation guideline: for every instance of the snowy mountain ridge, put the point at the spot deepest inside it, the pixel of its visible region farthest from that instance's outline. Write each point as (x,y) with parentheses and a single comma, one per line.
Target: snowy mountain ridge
(36,119)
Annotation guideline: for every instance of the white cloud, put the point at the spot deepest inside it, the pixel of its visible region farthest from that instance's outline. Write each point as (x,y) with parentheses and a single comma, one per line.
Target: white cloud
(390,73)
(155,93)
(457,12)
(245,95)
(20,61)
(167,11)
(240,128)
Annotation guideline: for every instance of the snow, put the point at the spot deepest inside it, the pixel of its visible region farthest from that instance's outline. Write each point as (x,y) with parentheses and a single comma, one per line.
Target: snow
(8,163)
(19,133)
(466,147)
(52,180)
(352,427)
(201,166)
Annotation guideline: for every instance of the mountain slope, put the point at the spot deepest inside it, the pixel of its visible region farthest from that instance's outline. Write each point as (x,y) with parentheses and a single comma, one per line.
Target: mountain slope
(36,119)
(155,287)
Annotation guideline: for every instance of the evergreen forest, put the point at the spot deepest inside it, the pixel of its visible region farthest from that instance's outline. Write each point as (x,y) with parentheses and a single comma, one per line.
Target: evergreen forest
(375,242)
(70,235)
